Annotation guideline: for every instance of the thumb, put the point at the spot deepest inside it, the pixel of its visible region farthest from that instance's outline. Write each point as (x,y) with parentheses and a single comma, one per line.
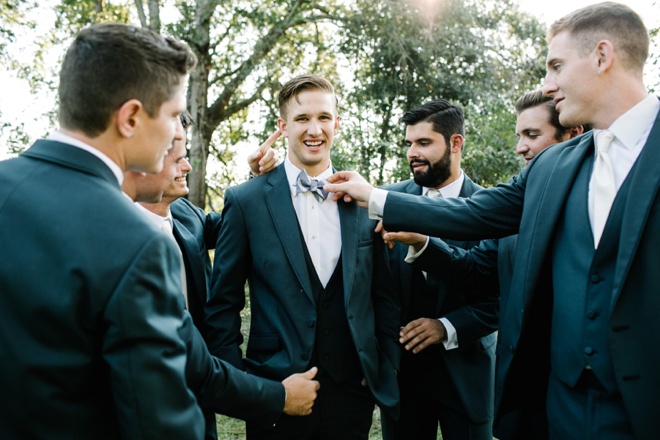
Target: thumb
(310,374)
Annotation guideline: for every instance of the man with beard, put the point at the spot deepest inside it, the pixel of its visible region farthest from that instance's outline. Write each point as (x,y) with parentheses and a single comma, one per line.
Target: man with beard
(451,381)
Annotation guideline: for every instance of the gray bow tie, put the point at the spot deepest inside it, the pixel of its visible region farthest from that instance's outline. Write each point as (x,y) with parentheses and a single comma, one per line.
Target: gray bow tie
(303,184)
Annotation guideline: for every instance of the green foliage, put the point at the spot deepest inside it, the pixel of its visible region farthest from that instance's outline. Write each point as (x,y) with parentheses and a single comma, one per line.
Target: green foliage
(474,53)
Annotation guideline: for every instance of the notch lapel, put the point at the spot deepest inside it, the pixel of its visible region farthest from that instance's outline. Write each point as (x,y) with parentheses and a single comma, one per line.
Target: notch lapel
(283,214)
(349,222)
(644,190)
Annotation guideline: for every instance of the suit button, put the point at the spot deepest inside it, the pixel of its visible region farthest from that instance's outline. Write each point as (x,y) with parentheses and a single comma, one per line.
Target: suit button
(589,351)
(592,314)
(326,331)
(310,323)
(595,278)
(304,356)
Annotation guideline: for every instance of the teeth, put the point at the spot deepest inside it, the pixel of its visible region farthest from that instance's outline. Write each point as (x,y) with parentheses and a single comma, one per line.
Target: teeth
(313,144)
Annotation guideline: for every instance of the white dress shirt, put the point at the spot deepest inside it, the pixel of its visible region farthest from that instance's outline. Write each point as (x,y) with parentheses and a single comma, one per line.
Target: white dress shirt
(319,223)
(631,131)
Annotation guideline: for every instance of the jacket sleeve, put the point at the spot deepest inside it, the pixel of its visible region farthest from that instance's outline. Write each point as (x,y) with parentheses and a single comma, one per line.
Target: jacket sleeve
(222,328)
(144,351)
(226,390)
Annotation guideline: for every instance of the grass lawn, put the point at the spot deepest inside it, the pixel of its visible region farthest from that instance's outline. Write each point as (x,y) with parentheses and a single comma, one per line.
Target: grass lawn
(234,429)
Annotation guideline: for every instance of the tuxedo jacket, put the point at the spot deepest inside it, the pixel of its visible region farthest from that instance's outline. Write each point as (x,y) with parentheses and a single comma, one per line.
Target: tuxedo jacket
(90,308)
(471,304)
(533,204)
(260,242)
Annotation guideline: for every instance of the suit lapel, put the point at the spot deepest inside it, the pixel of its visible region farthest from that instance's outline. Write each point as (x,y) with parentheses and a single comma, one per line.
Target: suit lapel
(644,190)
(191,248)
(349,222)
(534,241)
(280,206)
(406,269)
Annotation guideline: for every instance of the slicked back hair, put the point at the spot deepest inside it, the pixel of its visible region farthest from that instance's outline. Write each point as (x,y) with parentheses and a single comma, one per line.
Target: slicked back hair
(447,118)
(299,84)
(607,21)
(111,63)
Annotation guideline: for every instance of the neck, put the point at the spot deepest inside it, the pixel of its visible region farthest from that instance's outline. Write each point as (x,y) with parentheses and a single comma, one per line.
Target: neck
(162,208)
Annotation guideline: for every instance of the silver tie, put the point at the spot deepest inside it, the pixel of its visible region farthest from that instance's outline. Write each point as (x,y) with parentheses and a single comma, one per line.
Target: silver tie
(604,188)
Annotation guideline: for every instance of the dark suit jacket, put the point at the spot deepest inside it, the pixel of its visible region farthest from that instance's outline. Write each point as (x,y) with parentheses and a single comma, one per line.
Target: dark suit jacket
(91,307)
(196,232)
(220,387)
(471,305)
(260,242)
(533,203)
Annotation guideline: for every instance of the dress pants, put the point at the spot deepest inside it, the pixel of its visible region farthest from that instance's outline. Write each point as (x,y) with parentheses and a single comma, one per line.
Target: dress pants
(586,412)
(342,411)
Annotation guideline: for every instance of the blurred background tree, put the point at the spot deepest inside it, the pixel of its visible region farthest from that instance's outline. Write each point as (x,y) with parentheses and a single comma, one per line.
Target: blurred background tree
(384,57)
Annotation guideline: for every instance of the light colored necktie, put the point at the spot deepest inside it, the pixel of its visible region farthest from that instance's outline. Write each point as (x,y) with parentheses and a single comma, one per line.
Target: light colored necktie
(304,183)
(432,192)
(604,188)
(167,228)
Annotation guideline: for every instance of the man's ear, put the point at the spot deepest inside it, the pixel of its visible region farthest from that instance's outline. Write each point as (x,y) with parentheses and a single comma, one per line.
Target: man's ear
(281,124)
(128,117)
(605,54)
(456,141)
(576,131)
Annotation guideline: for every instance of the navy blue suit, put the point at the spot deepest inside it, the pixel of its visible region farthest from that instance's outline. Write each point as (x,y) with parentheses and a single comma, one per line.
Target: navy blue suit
(260,242)
(91,307)
(435,380)
(627,267)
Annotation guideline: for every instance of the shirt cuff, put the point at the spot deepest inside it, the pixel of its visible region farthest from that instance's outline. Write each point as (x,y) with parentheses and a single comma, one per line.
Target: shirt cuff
(411,256)
(452,338)
(377,203)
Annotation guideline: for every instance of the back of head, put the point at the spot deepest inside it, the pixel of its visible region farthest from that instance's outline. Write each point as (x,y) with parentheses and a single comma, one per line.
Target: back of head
(447,118)
(607,21)
(111,63)
(299,84)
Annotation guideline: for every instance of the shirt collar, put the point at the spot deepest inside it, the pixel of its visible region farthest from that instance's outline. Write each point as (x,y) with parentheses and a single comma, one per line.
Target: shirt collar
(66,139)
(156,219)
(450,191)
(292,172)
(636,123)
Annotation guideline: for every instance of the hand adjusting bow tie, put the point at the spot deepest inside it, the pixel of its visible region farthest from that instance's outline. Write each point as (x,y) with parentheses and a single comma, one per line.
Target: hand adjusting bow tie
(304,183)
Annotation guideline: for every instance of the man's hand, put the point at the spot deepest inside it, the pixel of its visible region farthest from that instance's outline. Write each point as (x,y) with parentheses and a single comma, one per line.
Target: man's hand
(349,185)
(264,159)
(417,241)
(300,393)
(421,333)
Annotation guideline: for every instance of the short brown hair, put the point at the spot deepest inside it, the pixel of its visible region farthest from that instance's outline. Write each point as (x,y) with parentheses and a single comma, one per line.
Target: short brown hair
(111,63)
(607,21)
(299,84)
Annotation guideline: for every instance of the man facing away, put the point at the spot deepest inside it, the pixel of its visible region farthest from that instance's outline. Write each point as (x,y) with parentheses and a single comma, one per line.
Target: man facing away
(218,386)
(91,302)
(581,312)
(309,262)
(450,382)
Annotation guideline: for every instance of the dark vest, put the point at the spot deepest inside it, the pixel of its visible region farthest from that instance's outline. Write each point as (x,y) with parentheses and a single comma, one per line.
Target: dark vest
(334,350)
(583,281)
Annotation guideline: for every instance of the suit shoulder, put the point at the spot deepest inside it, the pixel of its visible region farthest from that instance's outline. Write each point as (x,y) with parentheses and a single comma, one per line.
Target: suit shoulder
(399,186)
